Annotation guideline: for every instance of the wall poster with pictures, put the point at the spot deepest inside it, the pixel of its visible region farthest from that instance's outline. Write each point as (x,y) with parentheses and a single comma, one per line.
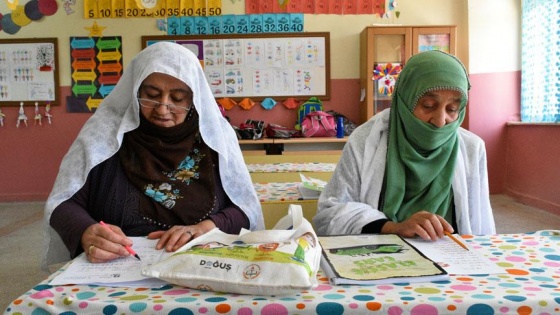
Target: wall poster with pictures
(29,71)
(257,66)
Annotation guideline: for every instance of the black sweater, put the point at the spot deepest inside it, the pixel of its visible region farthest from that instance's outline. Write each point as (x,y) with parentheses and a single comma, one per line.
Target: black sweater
(108,195)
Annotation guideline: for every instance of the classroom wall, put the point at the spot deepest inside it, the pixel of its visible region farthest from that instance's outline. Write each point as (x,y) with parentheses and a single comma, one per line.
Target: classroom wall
(494,50)
(30,156)
(521,157)
(489,44)
(532,172)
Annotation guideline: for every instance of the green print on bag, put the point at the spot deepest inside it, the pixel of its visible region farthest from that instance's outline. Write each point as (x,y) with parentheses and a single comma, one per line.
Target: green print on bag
(187,169)
(284,252)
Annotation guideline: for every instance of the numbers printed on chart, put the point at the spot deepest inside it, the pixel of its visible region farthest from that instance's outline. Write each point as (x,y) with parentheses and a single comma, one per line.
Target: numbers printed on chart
(96,9)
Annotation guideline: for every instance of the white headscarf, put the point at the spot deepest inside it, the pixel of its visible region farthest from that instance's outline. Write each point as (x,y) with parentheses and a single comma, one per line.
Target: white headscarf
(101,137)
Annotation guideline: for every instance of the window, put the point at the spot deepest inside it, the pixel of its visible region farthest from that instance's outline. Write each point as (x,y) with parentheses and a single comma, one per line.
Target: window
(540,61)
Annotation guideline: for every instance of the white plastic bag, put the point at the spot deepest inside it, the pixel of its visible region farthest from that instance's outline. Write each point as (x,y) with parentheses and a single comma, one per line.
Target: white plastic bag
(266,262)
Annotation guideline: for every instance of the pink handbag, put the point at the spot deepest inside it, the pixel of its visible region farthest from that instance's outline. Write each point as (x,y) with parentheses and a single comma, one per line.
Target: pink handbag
(318,124)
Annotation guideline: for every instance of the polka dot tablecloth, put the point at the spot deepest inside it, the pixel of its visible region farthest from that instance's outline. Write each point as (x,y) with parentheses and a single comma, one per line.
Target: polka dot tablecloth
(531,285)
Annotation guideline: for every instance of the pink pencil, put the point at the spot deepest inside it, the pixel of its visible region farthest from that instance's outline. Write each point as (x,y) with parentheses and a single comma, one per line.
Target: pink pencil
(128,248)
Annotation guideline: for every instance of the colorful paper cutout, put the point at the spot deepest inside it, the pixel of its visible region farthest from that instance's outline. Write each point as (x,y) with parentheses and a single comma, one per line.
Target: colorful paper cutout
(96,67)
(291,103)
(246,103)
(12,4)
(8,24)
(227,103)
(48,7)
(95,30)
(66,5)
(23,15)
(19,17)
(386,75)
(268,103)
(32,10)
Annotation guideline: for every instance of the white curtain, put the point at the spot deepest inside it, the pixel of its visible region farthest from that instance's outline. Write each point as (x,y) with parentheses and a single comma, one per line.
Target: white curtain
(540,61)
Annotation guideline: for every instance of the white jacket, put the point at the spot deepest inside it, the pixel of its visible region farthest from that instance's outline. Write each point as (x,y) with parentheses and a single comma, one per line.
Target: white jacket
(351,198)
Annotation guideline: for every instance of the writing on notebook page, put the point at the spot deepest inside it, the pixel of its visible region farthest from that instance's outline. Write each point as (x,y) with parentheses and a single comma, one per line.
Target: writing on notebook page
(123,271)
(455,259)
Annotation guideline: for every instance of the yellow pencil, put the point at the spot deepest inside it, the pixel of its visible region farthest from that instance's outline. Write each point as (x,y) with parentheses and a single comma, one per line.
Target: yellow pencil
(456,240)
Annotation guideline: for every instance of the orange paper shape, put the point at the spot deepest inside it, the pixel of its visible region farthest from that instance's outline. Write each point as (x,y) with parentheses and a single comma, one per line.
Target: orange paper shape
(227,103)
(291,103)
(246,103)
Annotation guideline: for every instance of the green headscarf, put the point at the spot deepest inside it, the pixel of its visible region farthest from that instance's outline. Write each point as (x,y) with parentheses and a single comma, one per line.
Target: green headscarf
(421,157)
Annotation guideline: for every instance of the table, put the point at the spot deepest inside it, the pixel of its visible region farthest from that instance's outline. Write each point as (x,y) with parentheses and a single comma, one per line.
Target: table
(530,286)
(276,182)
(275,198)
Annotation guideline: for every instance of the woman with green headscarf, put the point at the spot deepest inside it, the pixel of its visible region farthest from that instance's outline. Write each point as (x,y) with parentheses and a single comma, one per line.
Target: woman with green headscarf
(411,169)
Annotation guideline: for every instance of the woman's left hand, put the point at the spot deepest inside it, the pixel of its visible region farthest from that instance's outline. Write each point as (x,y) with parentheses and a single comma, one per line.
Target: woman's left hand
(179,235)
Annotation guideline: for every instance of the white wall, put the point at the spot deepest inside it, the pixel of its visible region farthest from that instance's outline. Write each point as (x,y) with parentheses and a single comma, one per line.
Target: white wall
(495,36)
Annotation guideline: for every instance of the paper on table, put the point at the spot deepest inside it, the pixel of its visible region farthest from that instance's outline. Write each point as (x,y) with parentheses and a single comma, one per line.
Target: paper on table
(122,272)
(455,259)
(307,193)
(312,183)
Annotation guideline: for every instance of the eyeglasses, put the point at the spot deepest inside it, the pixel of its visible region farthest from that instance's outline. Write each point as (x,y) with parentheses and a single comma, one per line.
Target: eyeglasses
(175,109)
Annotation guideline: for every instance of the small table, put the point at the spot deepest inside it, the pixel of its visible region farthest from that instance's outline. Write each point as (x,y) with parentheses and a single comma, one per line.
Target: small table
(275,199)
(275,196)
(530,286)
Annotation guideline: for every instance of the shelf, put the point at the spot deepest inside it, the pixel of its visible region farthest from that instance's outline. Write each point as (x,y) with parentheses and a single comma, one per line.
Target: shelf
(312,140)
(274,146)
(258,141)
(294,140)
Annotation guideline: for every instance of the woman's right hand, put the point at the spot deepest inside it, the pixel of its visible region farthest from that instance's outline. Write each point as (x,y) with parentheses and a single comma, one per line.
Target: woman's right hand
(179,235)
(427,225)
(101,244)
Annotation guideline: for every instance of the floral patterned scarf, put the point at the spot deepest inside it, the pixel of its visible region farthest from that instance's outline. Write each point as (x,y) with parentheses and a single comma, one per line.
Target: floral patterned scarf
(173,168)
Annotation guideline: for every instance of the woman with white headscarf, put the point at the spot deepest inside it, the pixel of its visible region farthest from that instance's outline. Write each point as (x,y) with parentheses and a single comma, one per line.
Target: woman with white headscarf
(157,158)
(412,170)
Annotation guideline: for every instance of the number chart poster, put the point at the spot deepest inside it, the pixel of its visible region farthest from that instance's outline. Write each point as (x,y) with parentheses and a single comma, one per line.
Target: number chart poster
(262,67)
(96,67)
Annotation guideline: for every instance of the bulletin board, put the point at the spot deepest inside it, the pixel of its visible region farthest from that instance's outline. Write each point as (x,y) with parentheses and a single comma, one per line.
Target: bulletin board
(257,66)
(29,71)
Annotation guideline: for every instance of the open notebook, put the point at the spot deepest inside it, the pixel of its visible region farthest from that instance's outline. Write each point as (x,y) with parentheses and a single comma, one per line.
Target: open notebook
(376,259)
(122,272)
